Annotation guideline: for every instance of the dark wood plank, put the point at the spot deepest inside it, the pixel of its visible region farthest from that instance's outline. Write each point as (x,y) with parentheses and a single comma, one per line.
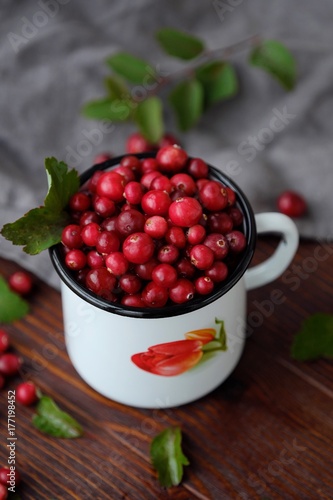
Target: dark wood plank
(265,433)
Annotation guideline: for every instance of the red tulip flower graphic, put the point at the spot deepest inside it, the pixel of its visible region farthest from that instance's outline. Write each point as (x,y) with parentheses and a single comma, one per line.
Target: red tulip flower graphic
(175,358)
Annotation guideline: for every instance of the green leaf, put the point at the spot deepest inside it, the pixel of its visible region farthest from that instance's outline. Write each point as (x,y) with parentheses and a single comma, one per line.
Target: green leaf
(63,183)
(41,227)
(315,338)
(219,81)
(38,230)
(167,456)
(108,109)
(50,420)
(149,118)
(179,44)
(273,57)
(116,88)
(12,306)
(187,101)
(131,68)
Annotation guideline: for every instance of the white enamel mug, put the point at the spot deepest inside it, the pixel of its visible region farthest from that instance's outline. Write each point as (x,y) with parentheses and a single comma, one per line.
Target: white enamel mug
(170,356)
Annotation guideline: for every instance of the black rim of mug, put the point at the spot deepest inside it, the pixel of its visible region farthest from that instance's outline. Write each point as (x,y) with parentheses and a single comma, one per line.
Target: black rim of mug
(249,228)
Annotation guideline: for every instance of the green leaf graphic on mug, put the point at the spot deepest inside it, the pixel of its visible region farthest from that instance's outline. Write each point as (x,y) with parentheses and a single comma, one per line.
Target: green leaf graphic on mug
(174,358)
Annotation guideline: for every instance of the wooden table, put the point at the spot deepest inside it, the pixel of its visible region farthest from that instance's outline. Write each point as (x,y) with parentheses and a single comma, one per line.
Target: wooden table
(266,433)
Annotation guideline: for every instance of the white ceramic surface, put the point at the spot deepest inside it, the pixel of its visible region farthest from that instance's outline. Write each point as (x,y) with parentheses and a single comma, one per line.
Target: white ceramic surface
(101,344)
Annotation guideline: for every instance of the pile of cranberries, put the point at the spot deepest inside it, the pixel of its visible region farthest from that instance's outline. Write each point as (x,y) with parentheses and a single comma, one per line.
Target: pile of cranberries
(153,231)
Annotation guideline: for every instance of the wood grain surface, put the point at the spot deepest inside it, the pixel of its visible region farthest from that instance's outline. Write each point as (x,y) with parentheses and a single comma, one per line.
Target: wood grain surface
(266,433)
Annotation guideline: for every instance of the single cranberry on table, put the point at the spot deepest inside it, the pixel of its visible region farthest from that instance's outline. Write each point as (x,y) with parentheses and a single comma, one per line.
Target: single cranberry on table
(26,393)
(10,364)
(292,204)
(20,282)
(6,474)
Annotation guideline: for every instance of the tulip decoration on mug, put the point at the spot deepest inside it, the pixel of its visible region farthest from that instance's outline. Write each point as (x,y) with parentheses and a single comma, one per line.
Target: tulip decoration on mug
(159,318)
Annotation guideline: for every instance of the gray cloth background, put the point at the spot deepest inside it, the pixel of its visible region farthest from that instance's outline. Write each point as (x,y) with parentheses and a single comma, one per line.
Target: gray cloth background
(52,61)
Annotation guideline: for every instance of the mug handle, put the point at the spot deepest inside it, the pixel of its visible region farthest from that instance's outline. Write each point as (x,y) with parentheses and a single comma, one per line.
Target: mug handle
(274,266)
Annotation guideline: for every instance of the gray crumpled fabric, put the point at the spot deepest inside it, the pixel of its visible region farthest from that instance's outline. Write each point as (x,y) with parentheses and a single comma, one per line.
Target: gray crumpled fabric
(52,57)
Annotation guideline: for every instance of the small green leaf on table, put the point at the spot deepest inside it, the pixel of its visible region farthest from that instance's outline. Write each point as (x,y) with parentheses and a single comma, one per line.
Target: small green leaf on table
(315,338)
(273,57)
(41,227)
(149,118)
(167,456)
(179,44)
(12,306)
(219,81)
(50,420)
(187,101)
(133,69)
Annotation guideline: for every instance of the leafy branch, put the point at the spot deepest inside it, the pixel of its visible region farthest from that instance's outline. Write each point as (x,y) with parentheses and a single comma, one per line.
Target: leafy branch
(132,90)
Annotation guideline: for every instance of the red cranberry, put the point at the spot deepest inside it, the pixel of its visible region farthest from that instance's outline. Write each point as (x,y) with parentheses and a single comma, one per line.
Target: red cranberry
(26,393)
(75,259)
(203,285)
(130,221)
(133,192)
(6,473)
(111,185)
(147,179)
(292,204)
(168,140)
(185,212)
(202,257)
(109,224)
(130,283)
(107,242)
(220,222)
(131,162)
(3,492)
(2,384)
(185,268)
(20,282)
(163,183)
(164,275)
(103,206)
(182,291)
(89,233)
(156,226)
(88,217)
(171,159)
(10,364)
(217,272)
(71,236)
(92,183)
(138,248)
(144,271)
(185,183)
(196,234)
(236,241)
(231,196)
(175,236)
(101,158)
(4,340)
(134,300)
(218,243)
(213,196)
(79,202)
(95,259)
(126,172)
(148,165)
(100,281)
(198,168)
(155,202)
(236,216)
(168,254)
(136,143)
(116,263)
(154,295)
